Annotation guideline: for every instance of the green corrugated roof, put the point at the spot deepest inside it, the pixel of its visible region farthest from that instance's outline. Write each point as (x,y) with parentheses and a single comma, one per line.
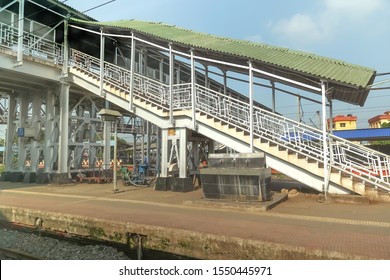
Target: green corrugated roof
(311,64)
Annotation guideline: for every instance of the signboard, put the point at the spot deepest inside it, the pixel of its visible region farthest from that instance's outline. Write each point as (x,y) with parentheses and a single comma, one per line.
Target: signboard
(20,132)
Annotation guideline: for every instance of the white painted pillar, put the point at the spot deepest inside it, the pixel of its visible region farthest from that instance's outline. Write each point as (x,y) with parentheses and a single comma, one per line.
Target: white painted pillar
(148,132)
(36,119)
(206,76)
(106,140)
(164,153)
(11,128)
(324,137)
(64,129)
(251,121)
(114,166)
(193,90)
(23,107)
(19,59)
(158,152)
(299,110)
(182,152)
(48,152)
(273,97)
(132,73)
(102,42)
(171,82)
(66,49)
(161,70)
(224,82)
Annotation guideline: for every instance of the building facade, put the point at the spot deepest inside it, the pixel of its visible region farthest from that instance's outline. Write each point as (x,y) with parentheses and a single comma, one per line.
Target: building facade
(379,120)
(342,122)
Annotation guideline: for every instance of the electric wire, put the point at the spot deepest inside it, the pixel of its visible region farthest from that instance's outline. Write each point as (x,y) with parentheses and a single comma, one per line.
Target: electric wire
(98,6)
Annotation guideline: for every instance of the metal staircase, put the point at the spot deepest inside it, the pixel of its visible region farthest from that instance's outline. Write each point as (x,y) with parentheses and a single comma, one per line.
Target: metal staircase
(293,148)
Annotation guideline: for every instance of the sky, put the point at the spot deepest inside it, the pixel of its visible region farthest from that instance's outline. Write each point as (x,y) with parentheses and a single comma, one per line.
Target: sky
(355,31)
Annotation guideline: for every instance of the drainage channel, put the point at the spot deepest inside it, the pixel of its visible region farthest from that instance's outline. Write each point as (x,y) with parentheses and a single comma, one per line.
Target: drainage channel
(32,242)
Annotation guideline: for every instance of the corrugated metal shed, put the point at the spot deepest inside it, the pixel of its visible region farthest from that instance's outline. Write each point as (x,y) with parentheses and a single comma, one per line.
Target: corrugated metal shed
(348,81)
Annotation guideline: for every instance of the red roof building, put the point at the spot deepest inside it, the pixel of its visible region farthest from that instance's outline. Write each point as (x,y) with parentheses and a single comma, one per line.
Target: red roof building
(342,122)
(377,121)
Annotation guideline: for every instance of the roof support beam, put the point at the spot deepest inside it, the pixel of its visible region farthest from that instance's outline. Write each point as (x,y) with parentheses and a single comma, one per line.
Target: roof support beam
(8,5)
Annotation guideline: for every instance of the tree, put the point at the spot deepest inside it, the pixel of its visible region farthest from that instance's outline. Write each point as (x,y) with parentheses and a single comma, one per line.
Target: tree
(385,125)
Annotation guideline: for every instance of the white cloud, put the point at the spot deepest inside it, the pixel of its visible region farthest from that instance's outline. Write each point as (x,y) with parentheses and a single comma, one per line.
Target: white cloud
(325,24)
(299,27)
(353,8)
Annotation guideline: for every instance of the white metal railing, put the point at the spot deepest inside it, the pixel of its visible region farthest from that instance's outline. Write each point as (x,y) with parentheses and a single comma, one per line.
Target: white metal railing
(351,158)
(33,45)
(354,159)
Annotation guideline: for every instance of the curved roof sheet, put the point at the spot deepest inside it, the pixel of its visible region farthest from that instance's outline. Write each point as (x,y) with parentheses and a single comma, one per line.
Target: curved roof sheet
(345,74)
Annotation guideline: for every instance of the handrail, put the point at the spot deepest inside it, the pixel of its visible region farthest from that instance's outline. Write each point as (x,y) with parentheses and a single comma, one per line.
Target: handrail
(356,160)
(33,45)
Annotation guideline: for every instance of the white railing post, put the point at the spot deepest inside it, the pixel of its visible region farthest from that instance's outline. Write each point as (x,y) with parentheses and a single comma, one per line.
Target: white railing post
(19,59)
(273,97)
(66,49)
(132,73)
(251,107)
(102,40)
(171,81)
(193,90)
(324,138)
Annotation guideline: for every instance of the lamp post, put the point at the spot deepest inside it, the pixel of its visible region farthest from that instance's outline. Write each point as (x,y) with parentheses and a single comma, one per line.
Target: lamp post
(112,116)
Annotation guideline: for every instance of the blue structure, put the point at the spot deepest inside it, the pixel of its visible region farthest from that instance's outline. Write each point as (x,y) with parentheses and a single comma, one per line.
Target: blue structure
(369,134)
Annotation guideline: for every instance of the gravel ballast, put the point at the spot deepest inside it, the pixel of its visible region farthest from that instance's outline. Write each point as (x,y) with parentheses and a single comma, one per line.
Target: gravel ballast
(49,248)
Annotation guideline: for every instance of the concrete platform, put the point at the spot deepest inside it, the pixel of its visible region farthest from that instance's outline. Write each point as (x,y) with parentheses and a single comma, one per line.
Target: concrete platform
(300,227)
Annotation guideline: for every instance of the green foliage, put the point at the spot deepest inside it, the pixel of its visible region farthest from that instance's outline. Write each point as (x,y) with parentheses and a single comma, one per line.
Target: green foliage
(385,125)
(382,142)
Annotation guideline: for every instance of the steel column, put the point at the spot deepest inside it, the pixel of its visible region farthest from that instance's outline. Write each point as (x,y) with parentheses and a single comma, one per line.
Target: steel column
(171,82)
(35,123)
(23,107)
(115,163)
(132,72)
(158,152)
(273,97)
(182,152)
(49,132)
(251,147)
(193,90)
(324,137)
(19,59)
(64,129)
(11,127)
(102,42)
(206,76)
(164,153)
(106,140)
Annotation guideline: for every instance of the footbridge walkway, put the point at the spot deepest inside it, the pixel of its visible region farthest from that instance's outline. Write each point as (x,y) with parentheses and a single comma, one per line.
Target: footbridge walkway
(159,80)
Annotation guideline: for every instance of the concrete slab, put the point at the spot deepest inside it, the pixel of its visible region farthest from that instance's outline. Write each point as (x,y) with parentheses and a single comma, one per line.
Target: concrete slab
(298,228)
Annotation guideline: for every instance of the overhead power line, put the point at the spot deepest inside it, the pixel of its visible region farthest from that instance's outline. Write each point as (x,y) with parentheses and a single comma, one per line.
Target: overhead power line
(98,6)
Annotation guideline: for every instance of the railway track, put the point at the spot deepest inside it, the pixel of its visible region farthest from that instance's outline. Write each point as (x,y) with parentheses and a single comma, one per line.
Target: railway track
(132,251)
(9,254)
